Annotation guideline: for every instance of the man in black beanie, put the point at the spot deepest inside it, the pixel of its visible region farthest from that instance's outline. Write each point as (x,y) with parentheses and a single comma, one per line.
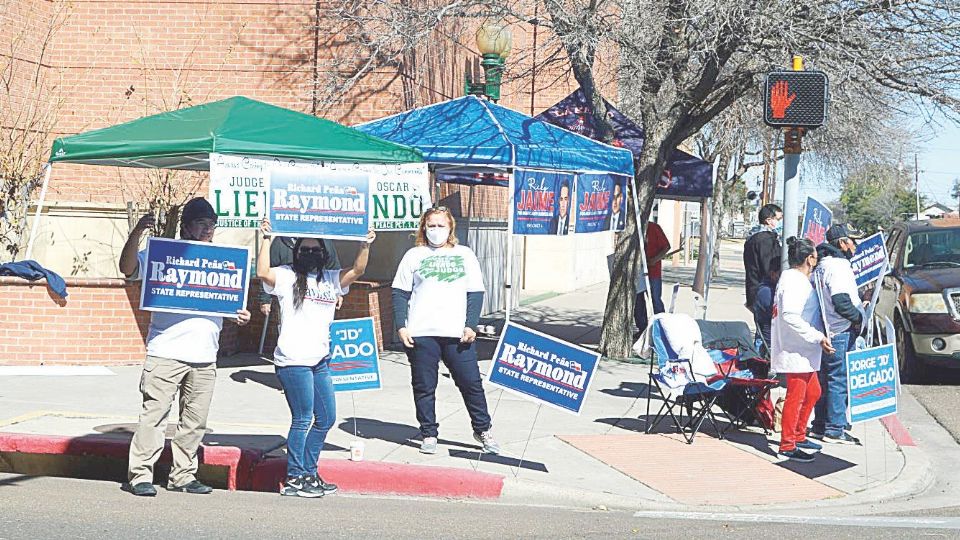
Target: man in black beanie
(181,356)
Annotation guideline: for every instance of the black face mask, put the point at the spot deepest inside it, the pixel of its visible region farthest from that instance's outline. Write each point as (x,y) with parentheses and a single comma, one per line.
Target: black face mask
(309,262)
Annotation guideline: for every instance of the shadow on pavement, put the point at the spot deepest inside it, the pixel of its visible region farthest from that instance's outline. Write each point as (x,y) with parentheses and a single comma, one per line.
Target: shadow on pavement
(242,360)
(269,379)
(500,460)
(633,390)
(768,444)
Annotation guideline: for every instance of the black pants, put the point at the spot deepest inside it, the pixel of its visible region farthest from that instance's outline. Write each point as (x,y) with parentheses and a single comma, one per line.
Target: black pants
(461,360)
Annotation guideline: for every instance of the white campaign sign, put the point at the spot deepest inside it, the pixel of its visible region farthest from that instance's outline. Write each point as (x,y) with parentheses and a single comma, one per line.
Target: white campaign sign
(399,193)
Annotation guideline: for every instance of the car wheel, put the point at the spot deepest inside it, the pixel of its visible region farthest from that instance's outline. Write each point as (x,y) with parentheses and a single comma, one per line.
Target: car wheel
(912,370)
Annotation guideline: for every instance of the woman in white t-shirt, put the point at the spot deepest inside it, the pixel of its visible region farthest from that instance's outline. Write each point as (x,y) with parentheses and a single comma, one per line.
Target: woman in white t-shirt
(307,295)
(797,341)
(437,297)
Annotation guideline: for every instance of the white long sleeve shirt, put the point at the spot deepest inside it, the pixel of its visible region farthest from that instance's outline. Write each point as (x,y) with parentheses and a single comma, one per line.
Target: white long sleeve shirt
(797,327)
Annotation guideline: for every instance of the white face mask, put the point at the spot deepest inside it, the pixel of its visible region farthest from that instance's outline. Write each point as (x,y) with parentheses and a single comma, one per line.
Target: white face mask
(437,236)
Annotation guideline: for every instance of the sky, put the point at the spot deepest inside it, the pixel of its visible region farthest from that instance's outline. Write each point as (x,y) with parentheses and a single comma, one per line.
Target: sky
(938,157)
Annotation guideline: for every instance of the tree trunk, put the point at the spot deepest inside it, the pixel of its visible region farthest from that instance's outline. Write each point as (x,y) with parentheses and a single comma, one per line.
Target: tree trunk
(703,249)
(719,205)
(616,335)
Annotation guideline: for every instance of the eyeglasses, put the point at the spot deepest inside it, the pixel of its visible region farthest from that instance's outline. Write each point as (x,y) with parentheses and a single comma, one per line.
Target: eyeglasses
(204,224)
(306,250)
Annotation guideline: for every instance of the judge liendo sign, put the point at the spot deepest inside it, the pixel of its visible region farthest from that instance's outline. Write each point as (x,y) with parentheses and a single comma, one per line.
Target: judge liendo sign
(197,278)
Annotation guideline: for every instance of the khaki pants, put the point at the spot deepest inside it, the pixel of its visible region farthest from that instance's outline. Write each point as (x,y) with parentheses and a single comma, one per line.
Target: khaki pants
(161,379)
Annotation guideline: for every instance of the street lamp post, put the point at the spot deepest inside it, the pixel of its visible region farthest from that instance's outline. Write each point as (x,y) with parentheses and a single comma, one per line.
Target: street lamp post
(494,42)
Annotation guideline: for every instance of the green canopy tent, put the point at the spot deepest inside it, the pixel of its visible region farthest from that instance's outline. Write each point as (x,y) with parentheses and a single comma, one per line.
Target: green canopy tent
(184,139)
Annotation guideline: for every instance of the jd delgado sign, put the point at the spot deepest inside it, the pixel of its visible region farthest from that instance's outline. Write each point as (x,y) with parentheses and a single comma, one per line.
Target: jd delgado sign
(397,193)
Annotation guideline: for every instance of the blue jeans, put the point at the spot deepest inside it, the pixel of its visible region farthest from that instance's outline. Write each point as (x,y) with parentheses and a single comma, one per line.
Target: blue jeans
(640,306)
(309,393)
(830,414)
(461,360)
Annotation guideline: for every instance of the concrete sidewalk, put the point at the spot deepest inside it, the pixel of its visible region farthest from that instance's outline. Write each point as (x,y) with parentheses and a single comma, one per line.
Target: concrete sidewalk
(549,457)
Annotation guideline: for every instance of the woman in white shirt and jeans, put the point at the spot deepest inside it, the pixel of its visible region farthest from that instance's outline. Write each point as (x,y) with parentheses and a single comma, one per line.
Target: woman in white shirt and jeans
(437,297)
(308,297)
(797,340)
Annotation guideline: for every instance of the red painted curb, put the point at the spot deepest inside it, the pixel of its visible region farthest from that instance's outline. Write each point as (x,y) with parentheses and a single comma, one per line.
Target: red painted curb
(238,461)
(897,431)
(388,479)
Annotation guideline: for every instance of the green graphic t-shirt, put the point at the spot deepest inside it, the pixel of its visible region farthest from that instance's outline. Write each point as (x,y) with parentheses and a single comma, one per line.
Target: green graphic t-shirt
(439,280)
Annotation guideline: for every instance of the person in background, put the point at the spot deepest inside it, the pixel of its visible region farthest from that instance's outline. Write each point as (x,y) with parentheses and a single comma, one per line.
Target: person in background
(307,293)
(281,253)
(797,341)
(656,248)
(181,357)
(763,304)
(841,302)
(437,298)
(760,250)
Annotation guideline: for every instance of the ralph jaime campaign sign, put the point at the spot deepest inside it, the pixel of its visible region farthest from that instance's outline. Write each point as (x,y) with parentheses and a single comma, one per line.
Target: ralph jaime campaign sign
(600,202)
(542,368)
(198,278)
(870,260)
(543,202)
(319,204)
(871,383)
(816,220)
(399,192)
(354,362)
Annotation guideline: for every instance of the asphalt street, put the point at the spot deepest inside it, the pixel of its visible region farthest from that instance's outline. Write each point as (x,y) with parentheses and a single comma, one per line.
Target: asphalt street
(78,509)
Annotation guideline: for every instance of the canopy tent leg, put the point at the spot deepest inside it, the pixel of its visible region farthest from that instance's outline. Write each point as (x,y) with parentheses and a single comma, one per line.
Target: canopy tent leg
(648,298)
(35,226)
(711,239)
(508,293)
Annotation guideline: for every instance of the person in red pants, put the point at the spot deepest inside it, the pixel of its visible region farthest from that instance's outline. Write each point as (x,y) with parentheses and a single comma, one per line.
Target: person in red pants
(797,341)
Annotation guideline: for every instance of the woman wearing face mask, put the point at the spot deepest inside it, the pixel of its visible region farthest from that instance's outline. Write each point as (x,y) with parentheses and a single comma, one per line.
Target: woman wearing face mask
(437,297)
(797,342)
(307,295)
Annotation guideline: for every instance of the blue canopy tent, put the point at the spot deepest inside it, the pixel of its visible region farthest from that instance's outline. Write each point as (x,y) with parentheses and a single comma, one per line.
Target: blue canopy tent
(473,141)
(685,178)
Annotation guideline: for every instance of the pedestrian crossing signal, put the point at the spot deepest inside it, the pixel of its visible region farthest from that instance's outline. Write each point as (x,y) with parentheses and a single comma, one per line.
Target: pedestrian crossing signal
(796,99)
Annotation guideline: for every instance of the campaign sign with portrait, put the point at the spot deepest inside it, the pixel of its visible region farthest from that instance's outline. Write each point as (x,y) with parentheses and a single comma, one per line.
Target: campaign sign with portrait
(543,202)
(354,361)
(319,203)
(196,278)
(870,260)
(542,368)
(816,220)
(600,202)
(871,383)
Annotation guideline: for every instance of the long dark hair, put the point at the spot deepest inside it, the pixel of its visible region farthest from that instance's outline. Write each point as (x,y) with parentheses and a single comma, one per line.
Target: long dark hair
(300,285)
(798,249)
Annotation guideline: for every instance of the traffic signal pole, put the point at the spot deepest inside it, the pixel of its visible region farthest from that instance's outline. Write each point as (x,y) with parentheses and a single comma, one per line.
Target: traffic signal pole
(792,148)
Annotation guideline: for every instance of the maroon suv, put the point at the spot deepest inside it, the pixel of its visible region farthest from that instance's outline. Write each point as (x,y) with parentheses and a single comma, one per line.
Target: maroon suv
(921,296)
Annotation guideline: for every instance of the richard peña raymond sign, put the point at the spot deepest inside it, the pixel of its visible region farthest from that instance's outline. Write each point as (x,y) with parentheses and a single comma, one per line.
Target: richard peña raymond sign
(542,368)
(796,99)
(196,278)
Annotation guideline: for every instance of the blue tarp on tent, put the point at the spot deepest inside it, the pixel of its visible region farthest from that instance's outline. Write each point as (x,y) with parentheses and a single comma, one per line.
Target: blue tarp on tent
(473,131)
(686,177)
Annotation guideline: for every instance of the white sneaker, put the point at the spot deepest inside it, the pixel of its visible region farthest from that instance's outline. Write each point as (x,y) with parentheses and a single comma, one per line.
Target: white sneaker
(429,445)
(490,446)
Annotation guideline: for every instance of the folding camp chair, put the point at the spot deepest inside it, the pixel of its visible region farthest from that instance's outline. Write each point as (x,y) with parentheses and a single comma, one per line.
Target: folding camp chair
(745,371)
(675,381)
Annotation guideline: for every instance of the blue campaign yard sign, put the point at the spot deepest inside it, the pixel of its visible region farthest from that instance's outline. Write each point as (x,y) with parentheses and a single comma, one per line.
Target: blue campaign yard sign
(197,278)
(543,202)
(870,260)
(816,220)
(543,368)
(325,203)
(600,202)
(354,361)
(871,383)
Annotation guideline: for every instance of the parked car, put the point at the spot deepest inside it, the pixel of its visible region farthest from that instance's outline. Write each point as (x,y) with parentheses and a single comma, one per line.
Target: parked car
(921,295)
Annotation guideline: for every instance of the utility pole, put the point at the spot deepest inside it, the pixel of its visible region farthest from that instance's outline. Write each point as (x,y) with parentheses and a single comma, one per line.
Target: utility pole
(792,148)
(916,181)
